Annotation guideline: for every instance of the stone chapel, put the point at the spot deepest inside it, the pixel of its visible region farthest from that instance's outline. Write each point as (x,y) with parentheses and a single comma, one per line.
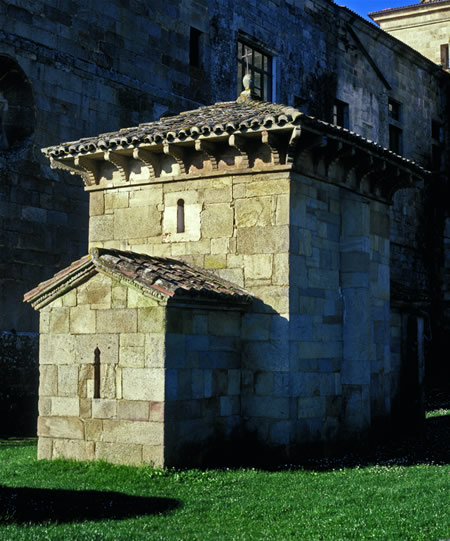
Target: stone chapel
(237,285)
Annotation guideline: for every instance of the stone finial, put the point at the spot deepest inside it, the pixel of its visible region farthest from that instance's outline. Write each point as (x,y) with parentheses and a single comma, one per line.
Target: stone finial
(246,94)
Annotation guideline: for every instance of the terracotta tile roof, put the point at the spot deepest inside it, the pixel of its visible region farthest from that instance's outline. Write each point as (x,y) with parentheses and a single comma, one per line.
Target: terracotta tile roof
(224,118)
(163,278)
(221,118)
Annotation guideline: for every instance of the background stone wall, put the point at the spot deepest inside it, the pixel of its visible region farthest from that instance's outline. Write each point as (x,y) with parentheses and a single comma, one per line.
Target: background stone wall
(84,70)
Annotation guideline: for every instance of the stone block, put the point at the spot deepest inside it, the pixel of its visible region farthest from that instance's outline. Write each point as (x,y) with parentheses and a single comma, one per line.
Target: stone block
(85,346)
(94,429)
(215,261)
(67,380)
(153,454)
(219,193)
(137,300)
(157,410)
(143,384)
(119,295)
(148,195)
(257,406)
(263,240)
(256,211)
(117,320)
(305,384)
(154,350)
(59,321)
(224,323)
(258,267)
(280,276)
(82,320)
(48,380)
(104,409)
(60,427)
(65,406)
(136,222)
(220,246)
(96,292)
(132,356)
(275,298)
(121,431)
(319,350)
(45,405)
(96,204)
(116,200)
(256,326)
(119,453)
(217,221)
(70,298)
(101,228)
(266,185)
(234,382)
(44,449)
(151,320)
(310,407)
(73,449)
(108,381)
(263,382)
(301,327)
(133,410)
(270,356)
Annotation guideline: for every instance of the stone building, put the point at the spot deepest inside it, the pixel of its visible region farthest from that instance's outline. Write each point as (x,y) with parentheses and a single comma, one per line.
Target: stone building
(147,358)
(75,72)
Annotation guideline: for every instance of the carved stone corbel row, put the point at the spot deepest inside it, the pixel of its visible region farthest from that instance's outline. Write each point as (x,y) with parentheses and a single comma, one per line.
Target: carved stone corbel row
(122,164)
(238,143)
(177,153)
(149,159)
(270,140)
(209,149)
(90,170)
(72,169)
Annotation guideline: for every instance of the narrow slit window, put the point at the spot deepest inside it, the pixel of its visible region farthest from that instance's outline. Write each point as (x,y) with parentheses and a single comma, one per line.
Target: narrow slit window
(96,373)
(180,216)
(195,47)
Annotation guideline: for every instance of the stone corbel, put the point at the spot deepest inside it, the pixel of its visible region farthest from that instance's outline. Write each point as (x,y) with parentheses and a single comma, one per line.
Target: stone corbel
(149,159)
(177,153)
(271,141)
(293,142)
(207,148)
(238,142)
(72,169)
(122,163)
(90,169)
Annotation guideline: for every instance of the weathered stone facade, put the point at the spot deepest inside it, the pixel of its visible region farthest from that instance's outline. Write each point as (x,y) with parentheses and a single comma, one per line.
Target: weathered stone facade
(81,71)
(293,210)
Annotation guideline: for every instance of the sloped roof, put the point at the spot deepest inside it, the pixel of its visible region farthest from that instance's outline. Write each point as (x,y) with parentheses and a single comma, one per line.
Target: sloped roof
(158,277)
(220,119)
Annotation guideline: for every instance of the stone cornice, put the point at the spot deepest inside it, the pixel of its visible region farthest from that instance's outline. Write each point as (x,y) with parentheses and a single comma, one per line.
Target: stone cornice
(232,138)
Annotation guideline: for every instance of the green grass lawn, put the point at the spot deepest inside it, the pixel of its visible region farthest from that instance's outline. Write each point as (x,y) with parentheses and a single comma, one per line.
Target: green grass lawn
(394,499)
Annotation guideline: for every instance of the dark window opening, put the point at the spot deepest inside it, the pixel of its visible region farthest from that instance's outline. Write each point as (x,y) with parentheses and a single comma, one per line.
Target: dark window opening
(394,108)
(96,373)
(395,139)
(436,130)
(445,56)
(180,216)
(340,114)
(436,154)
(195,47)
(17,115)
(260,69)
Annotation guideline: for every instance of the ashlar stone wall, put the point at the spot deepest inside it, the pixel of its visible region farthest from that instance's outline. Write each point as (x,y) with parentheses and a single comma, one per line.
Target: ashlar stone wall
(169,378)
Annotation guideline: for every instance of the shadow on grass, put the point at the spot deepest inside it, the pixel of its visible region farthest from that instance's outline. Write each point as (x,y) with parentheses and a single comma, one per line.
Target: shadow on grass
(36,505)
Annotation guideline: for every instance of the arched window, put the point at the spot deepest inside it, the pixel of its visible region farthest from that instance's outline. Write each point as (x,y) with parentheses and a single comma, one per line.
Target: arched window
(96,373)
(180,216)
